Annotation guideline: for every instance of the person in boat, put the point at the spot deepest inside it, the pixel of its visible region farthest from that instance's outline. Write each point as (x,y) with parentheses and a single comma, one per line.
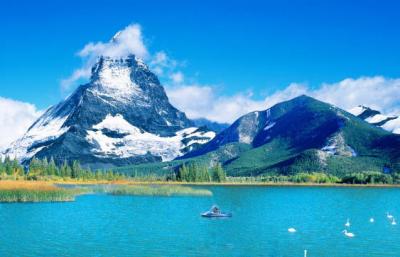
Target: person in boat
(215,210)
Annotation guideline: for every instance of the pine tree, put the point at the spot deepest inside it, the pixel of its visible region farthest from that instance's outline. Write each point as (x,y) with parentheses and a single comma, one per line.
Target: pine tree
(183,173)
(2,169)
(17,169)
(76,169)
(192,172)
(52,167)
(8,166)
(205,176)
(44,167)
(218,174)
(34,166)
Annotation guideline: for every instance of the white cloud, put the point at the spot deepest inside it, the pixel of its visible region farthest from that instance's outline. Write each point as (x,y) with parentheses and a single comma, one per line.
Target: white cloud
(199,101)
(377,92)
(81,73)
(125,42)
(164,66)
(15,119)
(160,58)
(203,101)
(177,77)
(206,101)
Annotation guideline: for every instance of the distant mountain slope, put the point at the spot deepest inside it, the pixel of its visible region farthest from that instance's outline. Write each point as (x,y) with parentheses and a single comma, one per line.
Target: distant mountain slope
(212,125)
(302,134)
(388,122)
(122,116)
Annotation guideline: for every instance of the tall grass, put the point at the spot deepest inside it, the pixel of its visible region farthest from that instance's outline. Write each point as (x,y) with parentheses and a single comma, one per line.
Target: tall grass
(41,191)
(26,191)
(155,190)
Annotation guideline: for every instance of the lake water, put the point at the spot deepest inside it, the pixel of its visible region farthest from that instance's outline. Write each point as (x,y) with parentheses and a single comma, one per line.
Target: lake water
(102,225)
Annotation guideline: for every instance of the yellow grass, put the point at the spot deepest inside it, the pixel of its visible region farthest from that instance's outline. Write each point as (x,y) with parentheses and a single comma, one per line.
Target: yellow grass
(27,185)
(36,191)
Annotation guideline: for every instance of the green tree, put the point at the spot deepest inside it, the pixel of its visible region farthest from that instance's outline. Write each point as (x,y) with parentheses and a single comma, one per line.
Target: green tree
(76,169)
(218,174)
(17,169)
(52,167)
(34,166)
(183,173)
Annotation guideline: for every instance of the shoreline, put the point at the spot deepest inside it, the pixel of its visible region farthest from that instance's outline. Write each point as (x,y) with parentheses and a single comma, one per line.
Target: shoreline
(176,183)
(233,184)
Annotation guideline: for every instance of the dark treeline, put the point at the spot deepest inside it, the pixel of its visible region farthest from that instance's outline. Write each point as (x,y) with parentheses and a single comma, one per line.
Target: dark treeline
(39,169)
(188,172)
(368,177)
(195,172)
(10,167)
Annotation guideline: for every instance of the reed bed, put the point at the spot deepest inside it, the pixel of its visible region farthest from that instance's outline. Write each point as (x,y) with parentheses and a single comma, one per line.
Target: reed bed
(155,190)
(36,191)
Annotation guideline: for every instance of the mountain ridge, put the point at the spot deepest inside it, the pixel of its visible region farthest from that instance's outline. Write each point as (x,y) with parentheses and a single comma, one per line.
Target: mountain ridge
(302,134)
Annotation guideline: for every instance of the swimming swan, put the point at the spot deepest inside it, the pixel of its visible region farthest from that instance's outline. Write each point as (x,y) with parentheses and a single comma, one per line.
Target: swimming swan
(348,234)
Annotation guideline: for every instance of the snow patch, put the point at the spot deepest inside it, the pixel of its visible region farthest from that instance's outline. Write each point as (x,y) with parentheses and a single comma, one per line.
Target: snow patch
(330,149)
(137,142)
(376,118)
(114,80)
(393,126)
(44,130)
(269,126)
(357,110)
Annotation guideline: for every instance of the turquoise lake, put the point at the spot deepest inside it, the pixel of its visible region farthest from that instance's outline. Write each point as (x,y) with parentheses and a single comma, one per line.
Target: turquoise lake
(103,225)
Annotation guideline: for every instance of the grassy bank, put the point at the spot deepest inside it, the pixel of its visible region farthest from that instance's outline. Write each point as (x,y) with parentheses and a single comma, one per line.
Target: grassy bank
(36,191)
(45,191)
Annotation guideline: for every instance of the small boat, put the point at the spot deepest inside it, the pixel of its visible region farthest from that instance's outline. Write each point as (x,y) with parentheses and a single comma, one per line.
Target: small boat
(215,212)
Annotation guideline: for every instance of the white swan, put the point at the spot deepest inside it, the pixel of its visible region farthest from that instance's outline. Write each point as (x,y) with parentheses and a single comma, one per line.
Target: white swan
(348,234)
(394,222)
(389,216)
(292,230)
(305,253)
(371,220)
(347,223)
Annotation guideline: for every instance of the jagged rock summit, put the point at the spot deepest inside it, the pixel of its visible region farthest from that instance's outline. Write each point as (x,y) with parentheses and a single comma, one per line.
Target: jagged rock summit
(122,116)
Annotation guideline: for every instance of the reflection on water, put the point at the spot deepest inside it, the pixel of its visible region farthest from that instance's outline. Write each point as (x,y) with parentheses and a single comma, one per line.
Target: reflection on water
(104,225)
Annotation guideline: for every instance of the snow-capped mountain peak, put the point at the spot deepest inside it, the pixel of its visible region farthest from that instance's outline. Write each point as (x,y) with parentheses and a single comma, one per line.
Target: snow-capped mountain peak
(112,78)
(122,116)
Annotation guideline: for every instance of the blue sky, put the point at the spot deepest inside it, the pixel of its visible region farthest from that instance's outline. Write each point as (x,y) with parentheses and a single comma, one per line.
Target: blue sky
(233,56)
(260,46)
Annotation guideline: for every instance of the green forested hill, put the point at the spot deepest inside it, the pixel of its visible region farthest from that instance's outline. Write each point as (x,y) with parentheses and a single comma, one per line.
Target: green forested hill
(300,135)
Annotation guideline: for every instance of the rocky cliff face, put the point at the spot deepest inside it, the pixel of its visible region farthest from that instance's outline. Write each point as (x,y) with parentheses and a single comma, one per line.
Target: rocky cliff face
(122,116)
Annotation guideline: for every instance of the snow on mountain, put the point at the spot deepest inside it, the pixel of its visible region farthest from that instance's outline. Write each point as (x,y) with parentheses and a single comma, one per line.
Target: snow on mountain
(113,80)
(114,136)
(388,122)
(47,128)
(357,110)
(393,125)
(122,116)
(376,118)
